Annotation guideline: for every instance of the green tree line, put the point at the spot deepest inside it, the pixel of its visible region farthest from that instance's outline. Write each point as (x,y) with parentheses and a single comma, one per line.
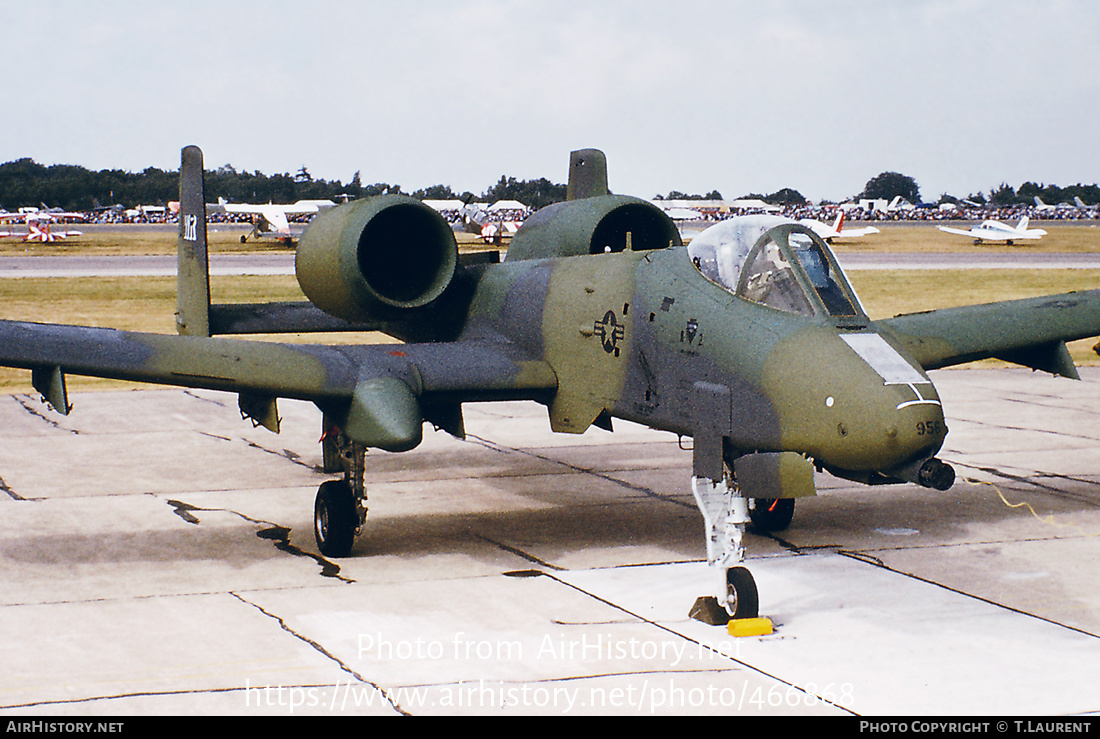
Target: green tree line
(1026,193)
(889,184)
(25,182)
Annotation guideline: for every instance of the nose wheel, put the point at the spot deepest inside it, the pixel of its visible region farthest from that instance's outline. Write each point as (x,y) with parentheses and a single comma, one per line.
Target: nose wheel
(742,599)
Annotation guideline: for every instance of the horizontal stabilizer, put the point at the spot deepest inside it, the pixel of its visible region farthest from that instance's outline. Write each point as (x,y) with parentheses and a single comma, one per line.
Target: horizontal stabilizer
(300,317)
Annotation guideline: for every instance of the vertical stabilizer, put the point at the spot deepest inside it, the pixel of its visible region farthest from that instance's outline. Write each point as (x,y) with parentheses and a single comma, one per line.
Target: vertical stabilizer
(587,174)
(192,271)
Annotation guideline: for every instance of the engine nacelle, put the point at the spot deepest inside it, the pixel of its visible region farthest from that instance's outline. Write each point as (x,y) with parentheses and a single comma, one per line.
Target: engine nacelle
(374,258)
(593,226)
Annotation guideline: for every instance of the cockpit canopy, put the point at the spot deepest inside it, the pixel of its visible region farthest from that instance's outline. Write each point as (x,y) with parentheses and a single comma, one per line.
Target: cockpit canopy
(776,262)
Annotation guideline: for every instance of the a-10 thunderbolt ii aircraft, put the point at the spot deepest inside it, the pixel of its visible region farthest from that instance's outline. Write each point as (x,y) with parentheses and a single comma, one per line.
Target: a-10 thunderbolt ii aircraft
(750,340)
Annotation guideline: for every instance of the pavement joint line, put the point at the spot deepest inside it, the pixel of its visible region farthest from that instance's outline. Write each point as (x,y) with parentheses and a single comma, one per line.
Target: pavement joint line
(320,649)
(1043,488)
(649,492)
(275,533)
(701,645)
(26,400)
(120,696)
(1050,432)
(876,562)
(520,553)
(286,454)
(11,493)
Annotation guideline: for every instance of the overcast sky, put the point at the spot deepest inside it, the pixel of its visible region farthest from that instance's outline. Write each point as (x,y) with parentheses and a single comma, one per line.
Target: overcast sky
(741,97)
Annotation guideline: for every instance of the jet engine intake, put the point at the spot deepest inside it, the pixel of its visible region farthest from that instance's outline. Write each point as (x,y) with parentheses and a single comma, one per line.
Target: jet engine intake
(374,258)
(593,226)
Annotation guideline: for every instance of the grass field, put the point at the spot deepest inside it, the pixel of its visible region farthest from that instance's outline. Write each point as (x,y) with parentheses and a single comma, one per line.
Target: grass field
(125,241)
(927,238)
(148,303)
(892,238)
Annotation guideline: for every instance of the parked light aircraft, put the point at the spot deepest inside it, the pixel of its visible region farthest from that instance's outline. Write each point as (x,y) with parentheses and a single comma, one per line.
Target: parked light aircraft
(1081,205)
(998,231)
(837,230)
(38,224)
(487,222)
(274,220)
(750,340)
(1041,206)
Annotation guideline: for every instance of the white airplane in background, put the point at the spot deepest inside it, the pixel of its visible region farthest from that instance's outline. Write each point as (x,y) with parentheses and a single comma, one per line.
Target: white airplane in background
(38,224)
(479,218)
(837,230)
(1041,206)
(997,231)
(753,204)
(274,219)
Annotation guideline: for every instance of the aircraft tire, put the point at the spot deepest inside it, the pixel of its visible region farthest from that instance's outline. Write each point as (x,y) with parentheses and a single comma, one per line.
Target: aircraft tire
(334,518)
(771,514)
(744,601)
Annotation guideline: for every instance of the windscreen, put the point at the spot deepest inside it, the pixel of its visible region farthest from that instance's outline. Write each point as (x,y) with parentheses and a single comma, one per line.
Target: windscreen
(823,275)
(775,262)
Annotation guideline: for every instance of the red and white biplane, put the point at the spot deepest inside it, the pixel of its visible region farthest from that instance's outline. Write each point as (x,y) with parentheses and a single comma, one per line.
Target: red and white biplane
(38,224)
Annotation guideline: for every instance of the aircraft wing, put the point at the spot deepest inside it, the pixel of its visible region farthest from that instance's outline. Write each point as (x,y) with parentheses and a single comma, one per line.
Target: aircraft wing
(294,210)
(278,220)
(1031,332)
(959,231)
(382,392)
(240,208)
(855,232)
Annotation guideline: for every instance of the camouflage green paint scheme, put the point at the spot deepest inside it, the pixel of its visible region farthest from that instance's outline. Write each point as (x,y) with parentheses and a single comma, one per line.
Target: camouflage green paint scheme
(1031,332)
(598,312)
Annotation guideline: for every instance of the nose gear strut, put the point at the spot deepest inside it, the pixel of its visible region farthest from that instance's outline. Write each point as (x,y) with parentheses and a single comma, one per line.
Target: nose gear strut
(725,514)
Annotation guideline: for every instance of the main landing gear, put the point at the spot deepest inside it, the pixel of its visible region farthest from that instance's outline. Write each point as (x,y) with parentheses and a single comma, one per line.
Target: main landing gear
(771,514)
(340,509)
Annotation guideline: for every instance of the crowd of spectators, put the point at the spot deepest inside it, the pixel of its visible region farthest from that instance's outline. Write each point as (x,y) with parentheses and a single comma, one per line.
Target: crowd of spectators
(824,212)
(828,212)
